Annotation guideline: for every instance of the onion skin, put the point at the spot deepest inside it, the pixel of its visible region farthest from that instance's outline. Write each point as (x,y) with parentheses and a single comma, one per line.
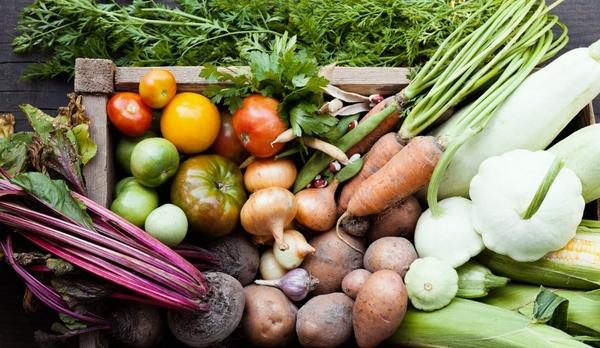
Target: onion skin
(269,268)
(268,212)
(293,256)
(265,173)
(317,208)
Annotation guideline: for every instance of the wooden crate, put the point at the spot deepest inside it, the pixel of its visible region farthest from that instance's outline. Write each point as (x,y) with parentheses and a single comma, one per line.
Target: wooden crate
(97,79)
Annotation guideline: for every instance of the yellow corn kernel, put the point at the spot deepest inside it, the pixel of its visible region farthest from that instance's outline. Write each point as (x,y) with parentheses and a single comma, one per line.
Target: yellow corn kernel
(579,251)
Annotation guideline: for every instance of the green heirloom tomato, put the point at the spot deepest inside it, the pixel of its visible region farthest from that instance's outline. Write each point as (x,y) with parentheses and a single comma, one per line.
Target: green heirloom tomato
(168,224)
(134,202)
(125,147)
(210,190)
(153,161)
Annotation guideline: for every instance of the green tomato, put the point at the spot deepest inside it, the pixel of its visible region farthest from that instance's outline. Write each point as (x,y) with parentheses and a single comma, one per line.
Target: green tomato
(153,161)
(134,202)
(125,147)
(168,224)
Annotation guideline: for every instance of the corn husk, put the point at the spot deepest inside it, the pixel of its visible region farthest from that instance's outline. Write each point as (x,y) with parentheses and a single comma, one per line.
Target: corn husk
(576,266)
(583,313)
(470,324)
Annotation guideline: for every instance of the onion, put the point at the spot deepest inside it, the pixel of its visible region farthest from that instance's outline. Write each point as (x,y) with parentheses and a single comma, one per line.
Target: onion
(317,209)
(269,267)
(268,211)
(265,173)
(293,256)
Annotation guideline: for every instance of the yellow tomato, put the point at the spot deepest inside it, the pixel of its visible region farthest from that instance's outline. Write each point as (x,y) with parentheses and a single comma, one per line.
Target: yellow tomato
(191,122)
(157,88)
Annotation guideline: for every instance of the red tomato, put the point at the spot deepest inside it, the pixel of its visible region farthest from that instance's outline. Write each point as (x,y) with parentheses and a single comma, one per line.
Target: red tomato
(227,143)
(128,113)
(257,124)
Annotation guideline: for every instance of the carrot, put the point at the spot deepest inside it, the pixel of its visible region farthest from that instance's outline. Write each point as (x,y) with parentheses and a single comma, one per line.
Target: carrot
(382,151)
(388,125)
(407,172)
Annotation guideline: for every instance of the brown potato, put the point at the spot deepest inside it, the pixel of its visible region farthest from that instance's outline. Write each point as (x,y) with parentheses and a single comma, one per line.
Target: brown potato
(399,220)
(269,317)
(354,281)
(332,260)
(325,321)
(379,308)
(393,253)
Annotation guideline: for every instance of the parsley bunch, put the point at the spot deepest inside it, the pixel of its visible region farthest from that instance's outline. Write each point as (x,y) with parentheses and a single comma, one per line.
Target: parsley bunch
(282,71)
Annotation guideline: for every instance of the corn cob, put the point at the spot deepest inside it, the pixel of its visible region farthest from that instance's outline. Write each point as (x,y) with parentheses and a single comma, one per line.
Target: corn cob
(470,324)
(582,314)
(576,266)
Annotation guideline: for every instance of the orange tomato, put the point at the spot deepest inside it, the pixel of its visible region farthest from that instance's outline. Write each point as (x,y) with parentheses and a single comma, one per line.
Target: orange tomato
(191,122)
(157,88)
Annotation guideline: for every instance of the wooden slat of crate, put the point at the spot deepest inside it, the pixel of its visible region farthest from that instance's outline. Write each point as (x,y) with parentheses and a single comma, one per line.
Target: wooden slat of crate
(358,80)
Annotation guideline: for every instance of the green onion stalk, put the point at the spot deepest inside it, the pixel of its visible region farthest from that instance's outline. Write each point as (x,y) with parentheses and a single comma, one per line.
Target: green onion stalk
(488,63)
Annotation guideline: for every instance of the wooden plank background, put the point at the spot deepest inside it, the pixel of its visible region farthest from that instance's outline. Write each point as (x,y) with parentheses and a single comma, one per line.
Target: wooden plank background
(16,327)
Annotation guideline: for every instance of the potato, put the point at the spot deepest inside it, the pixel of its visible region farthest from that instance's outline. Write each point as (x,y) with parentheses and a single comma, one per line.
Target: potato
(399,220)
(204,329)
(393,253)
(237,256)
(356,225)
(269,317)
(379,308)
(332,260)
(354,281)
(325,321)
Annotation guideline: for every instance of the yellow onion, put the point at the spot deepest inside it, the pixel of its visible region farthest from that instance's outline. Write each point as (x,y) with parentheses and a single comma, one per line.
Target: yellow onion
(269,267)
(298,248)
(265,173)
(317,209)
(267,212)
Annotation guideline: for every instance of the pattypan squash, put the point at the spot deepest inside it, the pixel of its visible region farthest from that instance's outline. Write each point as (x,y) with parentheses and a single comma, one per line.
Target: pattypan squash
(525,204)
(449,236)
(431,283)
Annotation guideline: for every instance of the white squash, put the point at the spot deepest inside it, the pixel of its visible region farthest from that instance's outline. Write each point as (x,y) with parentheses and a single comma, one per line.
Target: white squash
(530,118)
(502,192)
(449,236)
(580,152)
(431,283)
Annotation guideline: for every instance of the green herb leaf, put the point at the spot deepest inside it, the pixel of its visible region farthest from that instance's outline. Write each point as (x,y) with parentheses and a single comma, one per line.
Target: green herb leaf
(85,145)
(550,308)
(56,194)
(305,119)
(71,323)
(40,121)
(13,152)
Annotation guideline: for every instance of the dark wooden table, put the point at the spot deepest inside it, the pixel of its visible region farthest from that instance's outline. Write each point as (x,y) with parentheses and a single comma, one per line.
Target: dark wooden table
(16,327)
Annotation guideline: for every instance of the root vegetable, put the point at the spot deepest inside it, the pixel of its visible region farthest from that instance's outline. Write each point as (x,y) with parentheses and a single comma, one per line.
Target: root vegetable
(391,253)
(269,267)
(137,325)
(297,250)
(205,329)
(268,211)
(354,281)
(316,207)
(379,308)
(356,225)
(399,220)
(237,256)
(382,151)
(295,284)
(387,125)
(269,317)
(265,173)
(332,260)
(407,172)
(325,321)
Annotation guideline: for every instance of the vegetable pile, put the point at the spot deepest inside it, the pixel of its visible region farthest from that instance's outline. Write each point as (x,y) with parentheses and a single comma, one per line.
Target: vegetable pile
(279,209)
